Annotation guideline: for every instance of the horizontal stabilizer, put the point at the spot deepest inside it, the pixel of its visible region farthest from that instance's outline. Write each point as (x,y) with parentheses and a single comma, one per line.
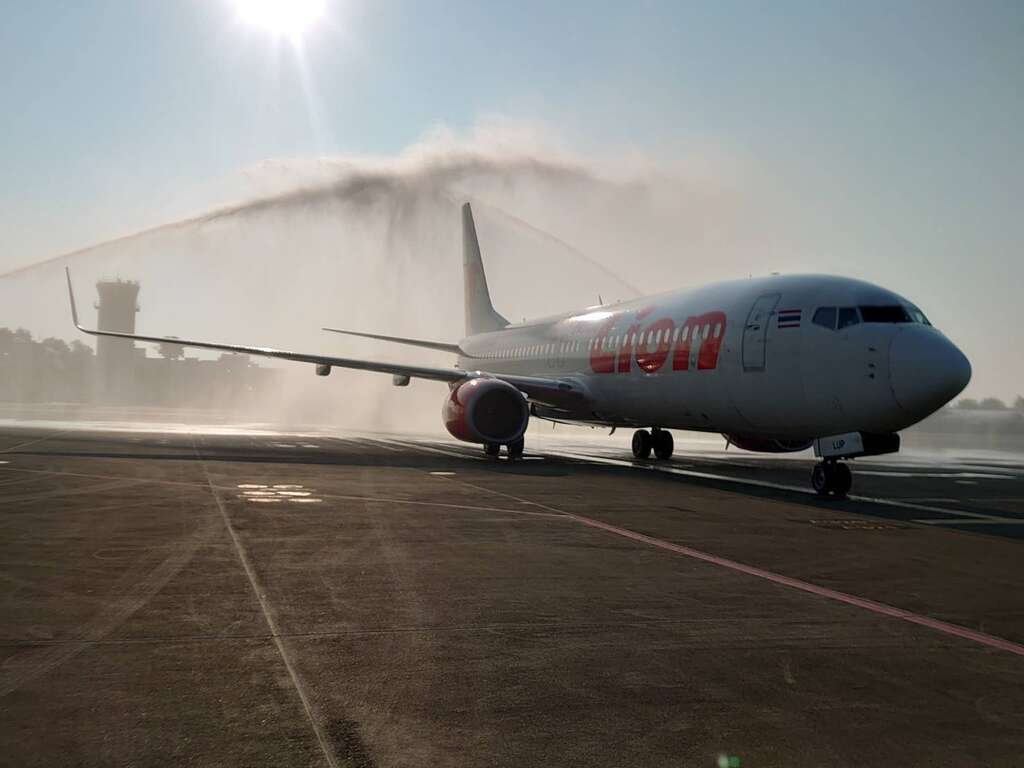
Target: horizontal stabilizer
(455,349)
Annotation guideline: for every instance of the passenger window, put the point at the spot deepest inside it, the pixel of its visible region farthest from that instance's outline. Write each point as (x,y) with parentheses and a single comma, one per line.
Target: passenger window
(848,316)
(825,317)
(718,330)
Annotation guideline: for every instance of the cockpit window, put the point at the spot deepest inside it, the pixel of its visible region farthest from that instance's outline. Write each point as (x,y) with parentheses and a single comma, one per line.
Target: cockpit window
(886,314)
(825,317)
(848,316)
(918,315)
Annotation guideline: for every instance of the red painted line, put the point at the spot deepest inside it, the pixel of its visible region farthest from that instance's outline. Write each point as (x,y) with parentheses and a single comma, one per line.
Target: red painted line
(831,594)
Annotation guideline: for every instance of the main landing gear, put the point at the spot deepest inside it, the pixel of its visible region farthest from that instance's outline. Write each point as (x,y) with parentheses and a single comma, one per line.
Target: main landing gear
(514,449)
(831,477)
(657,440)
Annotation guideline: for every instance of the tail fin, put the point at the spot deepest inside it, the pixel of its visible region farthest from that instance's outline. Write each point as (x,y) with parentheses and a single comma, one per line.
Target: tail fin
(480,314)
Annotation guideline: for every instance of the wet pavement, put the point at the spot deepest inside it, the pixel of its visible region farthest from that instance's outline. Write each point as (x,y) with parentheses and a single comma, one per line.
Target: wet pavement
(250,597)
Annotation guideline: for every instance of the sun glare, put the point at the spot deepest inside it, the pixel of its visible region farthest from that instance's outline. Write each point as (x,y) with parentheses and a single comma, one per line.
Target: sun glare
(290,18)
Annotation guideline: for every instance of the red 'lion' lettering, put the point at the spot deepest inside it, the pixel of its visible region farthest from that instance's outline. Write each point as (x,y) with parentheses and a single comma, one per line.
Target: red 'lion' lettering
(602,358)
(706,331)
(615,352)
(660,332)
(626,351)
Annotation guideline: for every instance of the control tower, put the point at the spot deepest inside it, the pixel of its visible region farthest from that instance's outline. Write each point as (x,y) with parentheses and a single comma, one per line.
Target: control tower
(116,358)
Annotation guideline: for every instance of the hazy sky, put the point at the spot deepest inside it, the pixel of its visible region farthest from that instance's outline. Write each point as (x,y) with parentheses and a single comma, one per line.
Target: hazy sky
(894,128)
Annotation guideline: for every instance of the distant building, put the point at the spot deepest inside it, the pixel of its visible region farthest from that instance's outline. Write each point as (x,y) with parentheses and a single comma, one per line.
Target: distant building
(120,373)
(116,358)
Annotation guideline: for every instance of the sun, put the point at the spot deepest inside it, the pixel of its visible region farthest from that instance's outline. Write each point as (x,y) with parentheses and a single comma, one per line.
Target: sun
(288,18)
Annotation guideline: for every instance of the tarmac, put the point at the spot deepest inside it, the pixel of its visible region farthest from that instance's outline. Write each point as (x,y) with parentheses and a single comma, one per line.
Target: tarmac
(209,597)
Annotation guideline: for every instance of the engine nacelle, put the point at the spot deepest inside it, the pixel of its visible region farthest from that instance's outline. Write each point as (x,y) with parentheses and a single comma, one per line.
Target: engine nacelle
(768,444)
(486,410)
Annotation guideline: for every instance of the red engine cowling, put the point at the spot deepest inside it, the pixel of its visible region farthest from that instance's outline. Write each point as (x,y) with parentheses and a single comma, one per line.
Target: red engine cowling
(767,444)
(486,411)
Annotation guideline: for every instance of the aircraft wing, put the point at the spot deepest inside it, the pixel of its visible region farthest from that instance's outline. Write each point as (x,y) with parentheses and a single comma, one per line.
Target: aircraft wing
(556,392)
(439,345)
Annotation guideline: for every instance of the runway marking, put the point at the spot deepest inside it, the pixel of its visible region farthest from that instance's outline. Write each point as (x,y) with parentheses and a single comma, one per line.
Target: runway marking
(268,615)
(103,477)
(882,609)
(448,505)
(948,475)
(766,484)
(955,521)
(114,484)
(428,449)
(368,441)
(141,588)
(33,442)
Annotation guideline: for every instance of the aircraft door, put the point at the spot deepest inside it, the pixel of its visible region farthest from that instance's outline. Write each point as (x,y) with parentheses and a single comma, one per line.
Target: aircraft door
(755,332)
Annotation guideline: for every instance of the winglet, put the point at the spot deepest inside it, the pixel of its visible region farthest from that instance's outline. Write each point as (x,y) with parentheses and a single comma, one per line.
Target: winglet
(71,296)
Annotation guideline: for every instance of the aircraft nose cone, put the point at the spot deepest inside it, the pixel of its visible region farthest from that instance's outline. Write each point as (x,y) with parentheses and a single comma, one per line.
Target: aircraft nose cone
(927,370)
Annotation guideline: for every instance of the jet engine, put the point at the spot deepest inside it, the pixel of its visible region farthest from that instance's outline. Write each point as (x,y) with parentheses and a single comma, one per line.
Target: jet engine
(767,444)
(484,410)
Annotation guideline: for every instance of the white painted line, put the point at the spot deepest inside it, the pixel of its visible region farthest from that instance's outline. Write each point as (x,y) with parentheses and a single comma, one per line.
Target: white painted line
(268,615)
(946,475)
(420,447)
(33,442)
(989,521)
(442,474)
(882,609)
(652,467)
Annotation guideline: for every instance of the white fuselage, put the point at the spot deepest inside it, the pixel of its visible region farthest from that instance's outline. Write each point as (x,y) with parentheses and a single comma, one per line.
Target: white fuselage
(741,357)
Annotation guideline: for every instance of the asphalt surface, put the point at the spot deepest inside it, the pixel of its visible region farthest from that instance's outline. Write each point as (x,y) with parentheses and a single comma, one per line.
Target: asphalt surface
(214,597)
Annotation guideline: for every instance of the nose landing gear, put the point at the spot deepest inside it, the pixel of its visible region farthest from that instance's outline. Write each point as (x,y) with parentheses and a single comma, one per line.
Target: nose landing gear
(658,440)
(831,477)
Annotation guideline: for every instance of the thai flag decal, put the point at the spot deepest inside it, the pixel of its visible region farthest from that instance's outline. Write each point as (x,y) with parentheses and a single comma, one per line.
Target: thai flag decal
(789,318)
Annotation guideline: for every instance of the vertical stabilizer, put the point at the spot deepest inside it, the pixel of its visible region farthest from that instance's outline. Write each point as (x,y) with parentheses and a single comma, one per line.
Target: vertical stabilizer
(480,314)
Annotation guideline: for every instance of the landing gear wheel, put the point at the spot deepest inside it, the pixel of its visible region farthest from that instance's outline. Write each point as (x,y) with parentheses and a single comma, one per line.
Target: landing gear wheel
(515,449)
(663,444)
(641,444)
(842,480)
(831,477)
(492,450)
(820,477)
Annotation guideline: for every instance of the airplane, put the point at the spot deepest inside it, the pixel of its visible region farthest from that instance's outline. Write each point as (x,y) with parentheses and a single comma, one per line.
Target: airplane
(775,364)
